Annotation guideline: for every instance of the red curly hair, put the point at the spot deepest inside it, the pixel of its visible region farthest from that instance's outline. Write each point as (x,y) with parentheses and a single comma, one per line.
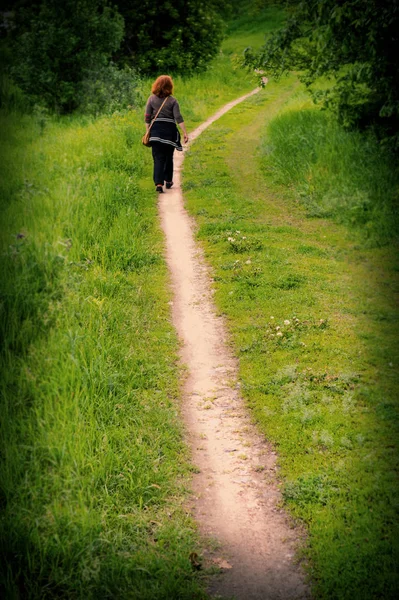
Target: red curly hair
(162,86)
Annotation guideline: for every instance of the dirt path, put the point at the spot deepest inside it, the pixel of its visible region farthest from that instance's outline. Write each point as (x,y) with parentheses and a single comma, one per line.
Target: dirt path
(236,499)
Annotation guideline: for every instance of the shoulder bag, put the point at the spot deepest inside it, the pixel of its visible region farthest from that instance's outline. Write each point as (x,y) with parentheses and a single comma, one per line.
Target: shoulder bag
(146,137)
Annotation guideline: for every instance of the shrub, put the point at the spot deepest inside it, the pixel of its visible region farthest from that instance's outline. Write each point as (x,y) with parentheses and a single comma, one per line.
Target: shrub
(107,89)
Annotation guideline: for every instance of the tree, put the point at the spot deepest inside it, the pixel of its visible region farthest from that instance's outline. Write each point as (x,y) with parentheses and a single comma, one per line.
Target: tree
(178,36)
(56,44)
(354,45)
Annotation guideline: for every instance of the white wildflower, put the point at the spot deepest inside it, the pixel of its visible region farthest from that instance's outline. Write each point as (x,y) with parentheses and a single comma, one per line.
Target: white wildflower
(287,322)
(230,239)
(248,262)
(279,333)
(278,328)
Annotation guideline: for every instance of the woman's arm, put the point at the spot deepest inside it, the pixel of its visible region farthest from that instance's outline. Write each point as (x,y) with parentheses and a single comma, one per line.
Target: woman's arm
(183,128)
(148,113)
(179,119)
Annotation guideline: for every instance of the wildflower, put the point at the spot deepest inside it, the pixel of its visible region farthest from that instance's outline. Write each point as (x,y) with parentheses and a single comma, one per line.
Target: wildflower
(286,322)
(279,333)
(238,231)
(272,317)
(248,262)
(244,237)
(278,328)
(230,239)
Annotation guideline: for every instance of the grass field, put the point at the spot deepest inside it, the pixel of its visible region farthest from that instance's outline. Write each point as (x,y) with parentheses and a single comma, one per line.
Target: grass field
(94,472)
(311,310)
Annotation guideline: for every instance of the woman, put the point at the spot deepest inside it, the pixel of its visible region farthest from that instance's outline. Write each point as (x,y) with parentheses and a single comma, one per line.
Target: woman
(165,136)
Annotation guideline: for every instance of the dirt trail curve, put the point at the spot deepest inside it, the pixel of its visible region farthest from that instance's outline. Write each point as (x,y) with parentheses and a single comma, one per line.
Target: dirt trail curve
(235,493)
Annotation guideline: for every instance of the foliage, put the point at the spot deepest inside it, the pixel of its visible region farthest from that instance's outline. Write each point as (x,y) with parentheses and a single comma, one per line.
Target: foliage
(55,45)
(107,89)
(12,97)
(59,54)
(176,36)
(353,44)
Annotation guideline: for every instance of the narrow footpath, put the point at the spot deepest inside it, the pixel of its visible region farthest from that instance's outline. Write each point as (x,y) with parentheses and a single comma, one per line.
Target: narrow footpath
(236,498)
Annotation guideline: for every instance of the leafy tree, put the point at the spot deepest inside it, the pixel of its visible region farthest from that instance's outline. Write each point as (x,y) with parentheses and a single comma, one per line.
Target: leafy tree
(56,44)
(353,44)
(178,36)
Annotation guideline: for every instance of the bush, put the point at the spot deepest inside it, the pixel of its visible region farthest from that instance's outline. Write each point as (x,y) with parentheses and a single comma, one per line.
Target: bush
(55,44)
(12,98)
(177,37)
(107,89)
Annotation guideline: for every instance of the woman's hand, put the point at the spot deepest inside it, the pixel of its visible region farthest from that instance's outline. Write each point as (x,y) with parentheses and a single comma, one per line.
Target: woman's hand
(185,138)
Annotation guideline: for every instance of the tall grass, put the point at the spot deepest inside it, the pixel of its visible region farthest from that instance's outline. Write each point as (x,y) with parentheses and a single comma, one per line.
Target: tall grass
(335,173)
(93,463)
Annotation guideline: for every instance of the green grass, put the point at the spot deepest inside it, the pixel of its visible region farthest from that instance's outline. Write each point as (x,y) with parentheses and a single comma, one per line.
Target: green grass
(95,473)
(311,311)
(94,468)
(335,173)
(250,25)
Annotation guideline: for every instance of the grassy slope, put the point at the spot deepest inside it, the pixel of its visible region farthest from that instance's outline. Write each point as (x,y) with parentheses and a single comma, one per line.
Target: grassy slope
(250,26)
(312,317)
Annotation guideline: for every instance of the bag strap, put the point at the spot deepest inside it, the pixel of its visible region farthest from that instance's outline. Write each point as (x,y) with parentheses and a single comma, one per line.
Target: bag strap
(162,105)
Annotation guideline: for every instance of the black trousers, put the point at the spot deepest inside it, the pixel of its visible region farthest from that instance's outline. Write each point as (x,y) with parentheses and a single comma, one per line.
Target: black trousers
(163,162)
